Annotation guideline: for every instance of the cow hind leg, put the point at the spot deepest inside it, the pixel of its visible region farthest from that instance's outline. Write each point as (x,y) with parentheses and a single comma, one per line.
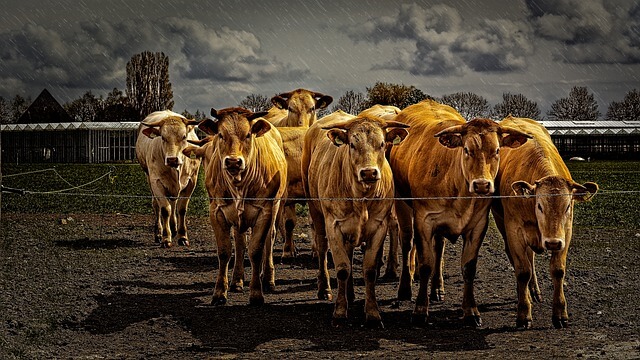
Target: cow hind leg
(405,234)
(286,230)
(392,270)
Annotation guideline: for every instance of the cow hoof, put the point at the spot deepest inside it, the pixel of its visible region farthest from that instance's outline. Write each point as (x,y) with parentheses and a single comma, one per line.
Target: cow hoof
(473,321)
(183,242)
(256,301)
(404,295)
(269,287)
(524,324)
(419,319)
(166,244)
(560,323)
(325,295)
(437,296)
(373,324)
(236,288)
(339,322)
(218,301)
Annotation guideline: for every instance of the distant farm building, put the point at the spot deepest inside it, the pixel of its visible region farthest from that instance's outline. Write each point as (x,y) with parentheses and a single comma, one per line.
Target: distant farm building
(46,133)
(598,139)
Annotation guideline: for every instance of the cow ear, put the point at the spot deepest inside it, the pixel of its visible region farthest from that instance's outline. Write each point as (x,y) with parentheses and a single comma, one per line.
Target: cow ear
(450,140)
(151,132)
(395,135)
(279,102)
(323,102)
(209,126)
(523,188)
(193,152)
(338,137)
(513,138)
(214,113)
(585,191)
(260,127)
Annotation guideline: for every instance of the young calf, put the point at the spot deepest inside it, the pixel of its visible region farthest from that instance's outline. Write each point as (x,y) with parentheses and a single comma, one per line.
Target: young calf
(542,219)
(346,173)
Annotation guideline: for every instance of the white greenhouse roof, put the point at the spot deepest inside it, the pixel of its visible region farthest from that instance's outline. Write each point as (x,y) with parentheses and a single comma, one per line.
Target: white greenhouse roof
(71,126)
(597,127)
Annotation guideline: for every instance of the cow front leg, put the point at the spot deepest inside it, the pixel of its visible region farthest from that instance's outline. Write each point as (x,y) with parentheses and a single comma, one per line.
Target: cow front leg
(522,266)
(534,288)
(221,230)
(405,226)
(287,224)
(182,205)
(437,280)
(425,249)
(268,272)
(470,249)
(372,256)
(343,272)
(166,214)
(321,246)
(240,247)
(560,317)
(157,226)
(392,269)
(259,234)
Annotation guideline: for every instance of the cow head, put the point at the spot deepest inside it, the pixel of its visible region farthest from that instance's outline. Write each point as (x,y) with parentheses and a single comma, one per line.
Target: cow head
(235,129)
(480,141)
(173,130)
(554,198)
(367,138)
(301,105)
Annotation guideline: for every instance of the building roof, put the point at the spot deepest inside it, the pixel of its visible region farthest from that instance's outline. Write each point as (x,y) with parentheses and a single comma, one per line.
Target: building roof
(597,127)
(44,109)
(71,126)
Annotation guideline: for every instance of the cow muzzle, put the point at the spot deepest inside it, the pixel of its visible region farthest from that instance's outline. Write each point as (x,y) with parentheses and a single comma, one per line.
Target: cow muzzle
(172,161)
(553,244)
(369,175)
(233,164)
(481,187)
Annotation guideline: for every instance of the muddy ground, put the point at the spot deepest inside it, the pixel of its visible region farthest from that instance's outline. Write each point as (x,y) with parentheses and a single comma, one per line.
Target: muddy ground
(98,287)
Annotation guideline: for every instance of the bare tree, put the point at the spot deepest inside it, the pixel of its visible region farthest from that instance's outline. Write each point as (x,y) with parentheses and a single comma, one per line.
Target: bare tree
(148,87)
(5,111)
(579,106)
(517,105)
(468,104)
(256,103)
(86,108)
(626,110)
(18,106)
(351,102)
(400,96)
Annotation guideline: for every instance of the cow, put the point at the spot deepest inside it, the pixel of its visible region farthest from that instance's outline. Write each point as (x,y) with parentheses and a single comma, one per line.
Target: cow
(293,109)
(539,218)
(171,175)
(444,176)
(349,180)
(297,108)
(388,113)
(246,179)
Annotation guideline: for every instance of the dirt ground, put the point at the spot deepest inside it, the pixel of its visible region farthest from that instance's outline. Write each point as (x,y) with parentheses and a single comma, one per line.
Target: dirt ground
(98,287)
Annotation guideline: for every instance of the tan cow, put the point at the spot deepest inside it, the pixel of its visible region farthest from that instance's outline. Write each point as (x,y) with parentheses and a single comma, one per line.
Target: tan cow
(448,166)
(388,113)
(246,179)
(542,219)
(345,168)
(296,108)
(171,175)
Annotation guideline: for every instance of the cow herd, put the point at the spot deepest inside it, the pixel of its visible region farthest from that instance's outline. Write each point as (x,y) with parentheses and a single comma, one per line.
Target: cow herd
(422,175)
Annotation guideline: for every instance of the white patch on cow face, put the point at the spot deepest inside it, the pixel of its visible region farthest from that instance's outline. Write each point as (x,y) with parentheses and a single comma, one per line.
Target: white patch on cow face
(174,140)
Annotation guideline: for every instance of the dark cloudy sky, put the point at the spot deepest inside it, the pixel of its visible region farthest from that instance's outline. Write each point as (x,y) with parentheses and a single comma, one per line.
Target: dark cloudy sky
(222,51)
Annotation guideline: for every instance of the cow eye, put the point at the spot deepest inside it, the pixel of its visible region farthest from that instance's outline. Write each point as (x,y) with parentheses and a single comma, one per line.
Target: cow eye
(540,207)
(249,135)
(221,137)
(498,151)
(382,145)
(466,151)
(568,207)
(184,137)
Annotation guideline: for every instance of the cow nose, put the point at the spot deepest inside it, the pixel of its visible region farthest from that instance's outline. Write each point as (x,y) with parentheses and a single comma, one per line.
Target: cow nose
(482,186)
(369,175)
(232,162)
(553,244)
(172,161)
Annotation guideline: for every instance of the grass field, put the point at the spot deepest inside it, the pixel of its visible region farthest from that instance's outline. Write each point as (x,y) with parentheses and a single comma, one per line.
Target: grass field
(122,188)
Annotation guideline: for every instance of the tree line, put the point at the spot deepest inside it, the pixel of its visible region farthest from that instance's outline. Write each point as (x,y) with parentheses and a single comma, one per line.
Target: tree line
(148,89)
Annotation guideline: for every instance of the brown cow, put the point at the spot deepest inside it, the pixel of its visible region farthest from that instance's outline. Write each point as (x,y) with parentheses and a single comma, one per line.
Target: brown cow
(297,108)
(246,179)
(345,168)
(171,175)
(542,219)
(448,166)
